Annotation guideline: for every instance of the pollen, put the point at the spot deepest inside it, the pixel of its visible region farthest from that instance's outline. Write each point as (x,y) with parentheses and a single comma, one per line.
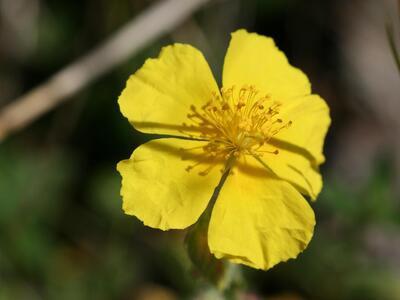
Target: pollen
(238,121)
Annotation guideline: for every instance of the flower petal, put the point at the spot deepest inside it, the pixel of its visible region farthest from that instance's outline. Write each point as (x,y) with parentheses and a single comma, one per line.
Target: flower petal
(259,221)
(310,122)
(253,59)
(293,168)
(157,188)
(157,98)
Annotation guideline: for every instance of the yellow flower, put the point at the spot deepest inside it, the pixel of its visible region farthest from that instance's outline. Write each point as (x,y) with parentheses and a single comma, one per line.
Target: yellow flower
(263,126)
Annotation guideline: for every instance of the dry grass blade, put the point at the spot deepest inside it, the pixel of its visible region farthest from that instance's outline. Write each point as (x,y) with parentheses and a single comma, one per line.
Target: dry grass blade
(392,43)
(159,19)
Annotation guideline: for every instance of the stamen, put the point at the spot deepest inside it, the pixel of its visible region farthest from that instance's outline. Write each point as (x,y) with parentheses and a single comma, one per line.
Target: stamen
(236,122)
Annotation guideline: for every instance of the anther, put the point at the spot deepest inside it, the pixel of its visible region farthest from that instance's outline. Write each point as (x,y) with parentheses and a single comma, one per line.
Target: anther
(240,105)
(225,106)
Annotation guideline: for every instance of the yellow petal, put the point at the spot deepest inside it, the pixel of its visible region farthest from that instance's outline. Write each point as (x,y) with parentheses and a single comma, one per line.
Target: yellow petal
(158,96)
(294,168)
(259,221)
(310,122)
(255,60)
(157,188)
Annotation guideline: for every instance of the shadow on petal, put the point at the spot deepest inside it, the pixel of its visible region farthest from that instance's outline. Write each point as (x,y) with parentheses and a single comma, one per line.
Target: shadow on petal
(295,149)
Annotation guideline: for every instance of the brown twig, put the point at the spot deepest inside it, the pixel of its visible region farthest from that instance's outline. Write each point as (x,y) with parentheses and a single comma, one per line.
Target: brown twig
(159,19)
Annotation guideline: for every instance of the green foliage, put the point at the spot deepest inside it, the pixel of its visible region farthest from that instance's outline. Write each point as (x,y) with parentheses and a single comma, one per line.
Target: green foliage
(373,202)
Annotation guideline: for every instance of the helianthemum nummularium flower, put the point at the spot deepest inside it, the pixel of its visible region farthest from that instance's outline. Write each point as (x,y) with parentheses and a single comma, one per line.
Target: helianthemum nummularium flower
(263,126)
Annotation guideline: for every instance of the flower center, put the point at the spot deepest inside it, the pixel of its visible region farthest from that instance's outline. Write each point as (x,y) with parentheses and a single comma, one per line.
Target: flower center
(237,122)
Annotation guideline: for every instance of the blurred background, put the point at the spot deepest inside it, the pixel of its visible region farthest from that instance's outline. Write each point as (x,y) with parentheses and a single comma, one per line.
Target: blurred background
(62,231)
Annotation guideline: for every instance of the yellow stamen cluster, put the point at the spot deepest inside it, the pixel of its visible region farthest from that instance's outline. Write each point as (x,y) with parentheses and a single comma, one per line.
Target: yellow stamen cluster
(237,122)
